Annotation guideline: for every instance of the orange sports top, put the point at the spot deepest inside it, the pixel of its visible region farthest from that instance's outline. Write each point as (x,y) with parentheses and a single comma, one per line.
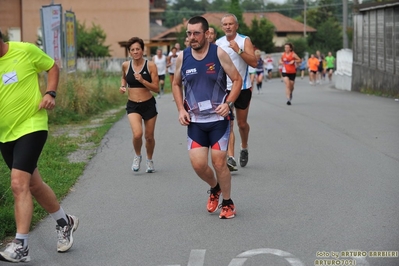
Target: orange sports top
(313,63)
(287,67)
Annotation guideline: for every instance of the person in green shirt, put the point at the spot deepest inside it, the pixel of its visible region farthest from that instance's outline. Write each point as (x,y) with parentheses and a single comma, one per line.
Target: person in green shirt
(23,133)
(330,60)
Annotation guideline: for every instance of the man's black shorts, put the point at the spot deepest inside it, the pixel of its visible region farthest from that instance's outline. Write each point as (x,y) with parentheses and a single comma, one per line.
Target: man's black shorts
(243,99)
(23,153)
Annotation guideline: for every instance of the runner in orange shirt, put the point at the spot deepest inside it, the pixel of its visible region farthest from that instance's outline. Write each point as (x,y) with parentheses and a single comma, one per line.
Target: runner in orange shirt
(313,65)
(289,59)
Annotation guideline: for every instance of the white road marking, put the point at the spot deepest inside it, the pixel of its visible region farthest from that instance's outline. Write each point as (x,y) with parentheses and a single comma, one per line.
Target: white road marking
(254,252)
(197,257)
(240,259)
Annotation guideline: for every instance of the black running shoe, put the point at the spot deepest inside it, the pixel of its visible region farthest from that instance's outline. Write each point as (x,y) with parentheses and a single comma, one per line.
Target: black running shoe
(243,157)
(231,164)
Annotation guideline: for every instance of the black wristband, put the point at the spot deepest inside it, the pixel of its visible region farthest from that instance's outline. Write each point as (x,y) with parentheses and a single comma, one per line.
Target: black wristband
(51,93)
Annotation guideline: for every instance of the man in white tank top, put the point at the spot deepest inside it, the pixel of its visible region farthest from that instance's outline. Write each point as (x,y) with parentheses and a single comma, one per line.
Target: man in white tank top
(160,61)
(241,52)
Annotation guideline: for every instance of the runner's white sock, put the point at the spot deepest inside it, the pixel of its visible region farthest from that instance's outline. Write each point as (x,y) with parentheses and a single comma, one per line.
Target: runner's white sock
(60,217)
(23,238)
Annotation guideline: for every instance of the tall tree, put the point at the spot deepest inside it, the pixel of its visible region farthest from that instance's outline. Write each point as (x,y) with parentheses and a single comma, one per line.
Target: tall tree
(261,33)
(235,9)
(90,42)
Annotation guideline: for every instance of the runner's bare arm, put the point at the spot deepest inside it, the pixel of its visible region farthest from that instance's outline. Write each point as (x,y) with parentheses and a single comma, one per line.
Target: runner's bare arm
(177,89)
(122,88)
(232,72)
(249,54)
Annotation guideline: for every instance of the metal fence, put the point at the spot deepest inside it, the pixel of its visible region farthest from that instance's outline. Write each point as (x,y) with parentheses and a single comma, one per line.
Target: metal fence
(376,49)
(106,64)
(109,64)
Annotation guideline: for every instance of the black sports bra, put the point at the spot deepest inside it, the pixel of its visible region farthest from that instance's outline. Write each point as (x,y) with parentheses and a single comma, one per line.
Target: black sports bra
(131,80)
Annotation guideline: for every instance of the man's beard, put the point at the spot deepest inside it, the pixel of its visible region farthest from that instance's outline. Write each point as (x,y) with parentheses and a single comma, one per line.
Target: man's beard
(197,48)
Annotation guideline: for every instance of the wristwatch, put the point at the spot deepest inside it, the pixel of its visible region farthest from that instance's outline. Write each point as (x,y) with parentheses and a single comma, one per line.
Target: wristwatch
(240,51)
(230,104)
(51,93)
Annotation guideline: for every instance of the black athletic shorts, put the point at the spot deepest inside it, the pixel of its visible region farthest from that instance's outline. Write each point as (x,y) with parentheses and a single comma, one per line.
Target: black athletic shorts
(161,77)
(147,109)
(243,99)
(290,76)
(23,153)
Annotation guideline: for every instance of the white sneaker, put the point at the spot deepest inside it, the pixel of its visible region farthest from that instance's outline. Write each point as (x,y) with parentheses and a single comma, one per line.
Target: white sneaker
(15,252)
(65,234)
(150,166)
(136,163)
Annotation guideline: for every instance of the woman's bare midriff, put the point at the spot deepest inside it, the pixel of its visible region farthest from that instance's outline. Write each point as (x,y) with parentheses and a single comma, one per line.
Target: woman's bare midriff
(139,94)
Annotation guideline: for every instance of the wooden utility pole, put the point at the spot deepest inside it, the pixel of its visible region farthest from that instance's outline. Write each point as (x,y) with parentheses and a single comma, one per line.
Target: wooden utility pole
(304,19)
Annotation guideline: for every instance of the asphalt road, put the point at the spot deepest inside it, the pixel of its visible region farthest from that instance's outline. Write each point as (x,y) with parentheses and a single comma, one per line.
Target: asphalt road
(321,186)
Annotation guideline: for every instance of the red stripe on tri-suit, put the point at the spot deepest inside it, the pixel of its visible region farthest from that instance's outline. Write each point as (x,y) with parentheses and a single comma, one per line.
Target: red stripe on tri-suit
(216,146)
(195,145)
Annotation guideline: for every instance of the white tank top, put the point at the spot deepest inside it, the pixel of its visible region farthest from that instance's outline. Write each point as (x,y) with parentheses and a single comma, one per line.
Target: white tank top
(239,63)
(172,67)
(161,64)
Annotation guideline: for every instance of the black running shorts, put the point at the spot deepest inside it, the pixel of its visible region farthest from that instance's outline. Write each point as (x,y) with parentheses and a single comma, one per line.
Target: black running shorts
(23,153)
(147,109)
(290,76)
(243,99)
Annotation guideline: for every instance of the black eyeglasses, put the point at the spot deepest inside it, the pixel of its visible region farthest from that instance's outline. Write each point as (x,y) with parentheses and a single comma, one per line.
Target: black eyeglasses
(195,33)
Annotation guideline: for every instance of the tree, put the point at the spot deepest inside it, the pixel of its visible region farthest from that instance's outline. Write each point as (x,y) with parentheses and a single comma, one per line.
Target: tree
(235,9)
(219,5)
(90,42)
(324,18)
(328,37)
(261,33)
(192,5)
(175,17)
(316,16)
(253,5)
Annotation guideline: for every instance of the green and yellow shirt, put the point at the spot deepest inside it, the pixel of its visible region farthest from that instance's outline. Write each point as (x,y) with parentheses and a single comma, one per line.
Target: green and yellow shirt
(20,95)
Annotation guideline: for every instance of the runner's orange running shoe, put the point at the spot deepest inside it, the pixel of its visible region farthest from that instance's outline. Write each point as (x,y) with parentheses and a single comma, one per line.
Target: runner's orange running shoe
(213,201)
(227,212)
